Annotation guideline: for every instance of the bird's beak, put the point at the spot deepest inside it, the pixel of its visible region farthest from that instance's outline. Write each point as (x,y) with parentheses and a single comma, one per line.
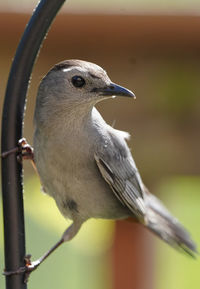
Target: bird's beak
(114,90)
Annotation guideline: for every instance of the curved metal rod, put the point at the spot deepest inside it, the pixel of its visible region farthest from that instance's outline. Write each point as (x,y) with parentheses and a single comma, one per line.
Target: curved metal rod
(12,129)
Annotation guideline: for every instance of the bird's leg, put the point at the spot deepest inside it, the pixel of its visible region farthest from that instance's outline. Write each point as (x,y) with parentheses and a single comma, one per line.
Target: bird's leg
(31,266)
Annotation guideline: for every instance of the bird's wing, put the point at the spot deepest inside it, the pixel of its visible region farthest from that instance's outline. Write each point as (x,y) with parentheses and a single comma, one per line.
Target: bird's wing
(119,171)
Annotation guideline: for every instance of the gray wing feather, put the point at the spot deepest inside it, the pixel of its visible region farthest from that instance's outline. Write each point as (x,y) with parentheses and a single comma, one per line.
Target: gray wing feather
(118,168)
(119,171)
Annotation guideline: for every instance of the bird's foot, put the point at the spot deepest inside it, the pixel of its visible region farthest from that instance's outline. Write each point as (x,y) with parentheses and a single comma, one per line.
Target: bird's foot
(23,150)
(27,269)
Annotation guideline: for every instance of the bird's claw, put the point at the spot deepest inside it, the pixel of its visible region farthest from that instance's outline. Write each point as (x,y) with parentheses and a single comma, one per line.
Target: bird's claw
(27,269)
(25,150)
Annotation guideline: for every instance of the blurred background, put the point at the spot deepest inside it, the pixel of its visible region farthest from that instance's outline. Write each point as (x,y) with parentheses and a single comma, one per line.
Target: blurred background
(151,47)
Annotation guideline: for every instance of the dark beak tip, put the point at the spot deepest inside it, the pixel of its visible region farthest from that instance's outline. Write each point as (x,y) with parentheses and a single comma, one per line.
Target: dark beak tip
(115,90)
(122,91)
(130,94)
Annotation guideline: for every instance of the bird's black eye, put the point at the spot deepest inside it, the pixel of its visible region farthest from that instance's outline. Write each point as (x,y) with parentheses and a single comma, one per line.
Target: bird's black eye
(78,81)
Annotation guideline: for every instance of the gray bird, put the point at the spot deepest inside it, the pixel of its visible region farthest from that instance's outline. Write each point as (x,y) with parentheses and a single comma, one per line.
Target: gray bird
(84,163)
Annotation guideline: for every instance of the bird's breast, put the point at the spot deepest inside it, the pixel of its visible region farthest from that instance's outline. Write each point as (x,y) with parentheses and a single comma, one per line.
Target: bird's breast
(69,174)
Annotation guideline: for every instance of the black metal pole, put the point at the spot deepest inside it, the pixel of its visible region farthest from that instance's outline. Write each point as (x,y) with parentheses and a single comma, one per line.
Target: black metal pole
(12,130)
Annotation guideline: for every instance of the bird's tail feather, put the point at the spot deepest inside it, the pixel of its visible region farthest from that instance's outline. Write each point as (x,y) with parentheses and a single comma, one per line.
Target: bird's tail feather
(164,225)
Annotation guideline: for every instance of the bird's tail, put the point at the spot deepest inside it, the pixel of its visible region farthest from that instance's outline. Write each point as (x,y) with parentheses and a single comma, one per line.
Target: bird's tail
(164,225)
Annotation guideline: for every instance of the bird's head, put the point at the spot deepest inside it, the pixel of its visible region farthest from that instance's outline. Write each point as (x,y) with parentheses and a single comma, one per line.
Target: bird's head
(77,81)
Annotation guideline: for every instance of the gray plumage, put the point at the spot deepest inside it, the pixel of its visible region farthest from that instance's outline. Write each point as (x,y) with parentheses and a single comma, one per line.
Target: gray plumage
(84,163)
